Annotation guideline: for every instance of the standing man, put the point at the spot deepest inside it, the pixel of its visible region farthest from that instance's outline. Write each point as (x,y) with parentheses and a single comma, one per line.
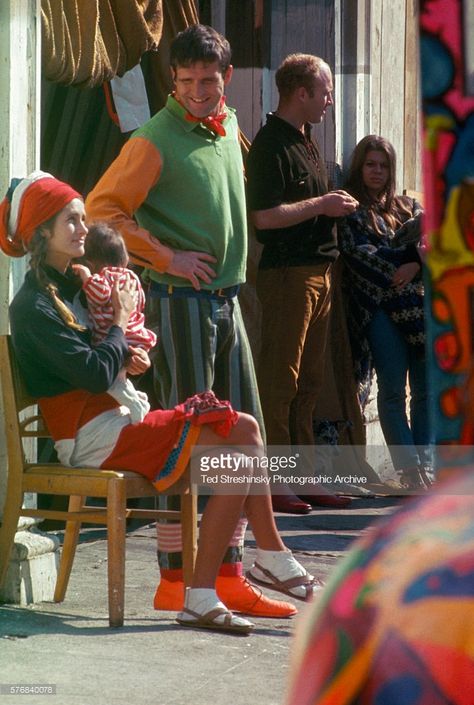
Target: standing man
(294,217)
(176,193)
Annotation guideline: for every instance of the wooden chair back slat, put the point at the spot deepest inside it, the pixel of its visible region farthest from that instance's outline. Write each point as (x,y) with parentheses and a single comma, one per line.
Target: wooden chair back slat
(13,401)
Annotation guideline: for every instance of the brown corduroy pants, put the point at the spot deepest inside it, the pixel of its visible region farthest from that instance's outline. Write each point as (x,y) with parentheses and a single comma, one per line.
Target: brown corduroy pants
(296,303)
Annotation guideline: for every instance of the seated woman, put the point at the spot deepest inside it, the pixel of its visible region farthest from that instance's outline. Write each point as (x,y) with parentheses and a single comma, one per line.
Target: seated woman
(378,244)
(70,379)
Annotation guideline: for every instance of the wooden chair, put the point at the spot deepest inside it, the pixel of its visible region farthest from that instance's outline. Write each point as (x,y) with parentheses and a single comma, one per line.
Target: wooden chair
(78,483)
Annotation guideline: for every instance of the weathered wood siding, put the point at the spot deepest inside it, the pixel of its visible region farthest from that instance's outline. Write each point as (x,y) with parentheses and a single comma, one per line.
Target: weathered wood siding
(379,79)
(372,46)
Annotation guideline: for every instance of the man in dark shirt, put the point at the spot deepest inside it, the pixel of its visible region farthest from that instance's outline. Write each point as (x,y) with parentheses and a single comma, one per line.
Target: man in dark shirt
(294,217)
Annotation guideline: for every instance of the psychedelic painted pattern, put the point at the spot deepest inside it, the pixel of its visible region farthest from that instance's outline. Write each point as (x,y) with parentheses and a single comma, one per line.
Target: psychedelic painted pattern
(447,67)
(396,624)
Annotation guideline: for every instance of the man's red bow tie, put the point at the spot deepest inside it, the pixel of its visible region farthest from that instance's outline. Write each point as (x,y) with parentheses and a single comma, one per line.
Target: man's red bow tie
(212,122)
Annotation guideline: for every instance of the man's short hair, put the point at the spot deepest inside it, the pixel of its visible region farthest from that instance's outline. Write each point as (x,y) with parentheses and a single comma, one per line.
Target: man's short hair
(298,71)
(200,43)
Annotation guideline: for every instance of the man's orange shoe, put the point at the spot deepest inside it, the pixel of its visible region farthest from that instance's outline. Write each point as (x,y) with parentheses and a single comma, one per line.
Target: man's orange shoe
(235,592)
(239,595)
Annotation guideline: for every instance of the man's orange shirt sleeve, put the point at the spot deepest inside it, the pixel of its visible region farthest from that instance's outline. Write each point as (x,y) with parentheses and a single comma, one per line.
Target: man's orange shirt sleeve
(121,191)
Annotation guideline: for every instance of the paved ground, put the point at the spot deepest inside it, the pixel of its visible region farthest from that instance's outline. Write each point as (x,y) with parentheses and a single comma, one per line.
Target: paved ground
(152,661)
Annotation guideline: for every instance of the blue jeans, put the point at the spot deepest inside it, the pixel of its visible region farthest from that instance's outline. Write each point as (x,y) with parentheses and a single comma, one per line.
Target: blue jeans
(394,359)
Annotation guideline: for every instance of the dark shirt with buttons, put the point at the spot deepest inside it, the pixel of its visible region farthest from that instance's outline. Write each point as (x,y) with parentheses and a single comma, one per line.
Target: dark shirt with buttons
(285,166)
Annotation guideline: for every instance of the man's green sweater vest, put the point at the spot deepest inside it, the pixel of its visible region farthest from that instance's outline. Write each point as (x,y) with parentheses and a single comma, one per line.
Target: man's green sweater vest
(198,202)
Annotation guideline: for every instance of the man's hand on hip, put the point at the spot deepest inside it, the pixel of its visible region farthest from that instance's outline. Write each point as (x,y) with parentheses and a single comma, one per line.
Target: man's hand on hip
(193,266)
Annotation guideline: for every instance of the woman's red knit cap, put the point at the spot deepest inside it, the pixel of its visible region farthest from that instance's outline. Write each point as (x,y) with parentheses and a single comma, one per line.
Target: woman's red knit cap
(29,203)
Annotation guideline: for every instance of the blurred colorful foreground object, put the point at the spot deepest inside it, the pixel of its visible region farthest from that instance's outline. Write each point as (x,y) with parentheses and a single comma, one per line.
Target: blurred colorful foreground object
(395,625)
(447,72)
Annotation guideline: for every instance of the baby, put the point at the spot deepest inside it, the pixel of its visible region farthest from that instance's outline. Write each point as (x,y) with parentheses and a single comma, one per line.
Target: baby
(107,260)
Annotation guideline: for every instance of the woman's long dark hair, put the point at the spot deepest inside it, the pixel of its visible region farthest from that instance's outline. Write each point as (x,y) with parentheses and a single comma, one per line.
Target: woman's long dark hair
(38,248)
(392,208)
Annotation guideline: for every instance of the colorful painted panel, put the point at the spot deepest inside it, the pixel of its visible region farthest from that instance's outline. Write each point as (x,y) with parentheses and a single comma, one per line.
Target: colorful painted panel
(447,63)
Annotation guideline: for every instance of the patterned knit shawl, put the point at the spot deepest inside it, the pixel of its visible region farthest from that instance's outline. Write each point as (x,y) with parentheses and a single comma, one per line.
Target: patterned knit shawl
(371,259)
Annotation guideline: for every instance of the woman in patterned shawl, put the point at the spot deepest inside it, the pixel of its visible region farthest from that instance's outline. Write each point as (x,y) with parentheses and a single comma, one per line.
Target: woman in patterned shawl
(379,246)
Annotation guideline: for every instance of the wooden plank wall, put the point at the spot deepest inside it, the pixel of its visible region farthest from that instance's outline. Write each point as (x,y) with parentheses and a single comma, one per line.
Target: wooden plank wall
(352,76)
(412,148)
(19,116)
(377,80)
(395,104)
(372,46)
(388,89)
(293,26)
(308,27)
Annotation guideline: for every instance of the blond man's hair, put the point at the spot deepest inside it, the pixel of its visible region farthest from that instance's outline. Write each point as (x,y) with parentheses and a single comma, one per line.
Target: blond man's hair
(299,71)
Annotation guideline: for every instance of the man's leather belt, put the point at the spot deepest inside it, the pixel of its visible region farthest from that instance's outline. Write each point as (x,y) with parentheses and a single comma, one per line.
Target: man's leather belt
(171,291)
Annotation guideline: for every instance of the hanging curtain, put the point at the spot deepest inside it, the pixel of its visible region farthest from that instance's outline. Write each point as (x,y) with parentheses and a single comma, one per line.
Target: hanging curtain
(85,43)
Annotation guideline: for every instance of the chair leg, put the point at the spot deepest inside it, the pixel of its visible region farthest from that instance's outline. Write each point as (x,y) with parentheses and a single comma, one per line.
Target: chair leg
(116,525)
(8,528)
(71,537)
(189,533)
